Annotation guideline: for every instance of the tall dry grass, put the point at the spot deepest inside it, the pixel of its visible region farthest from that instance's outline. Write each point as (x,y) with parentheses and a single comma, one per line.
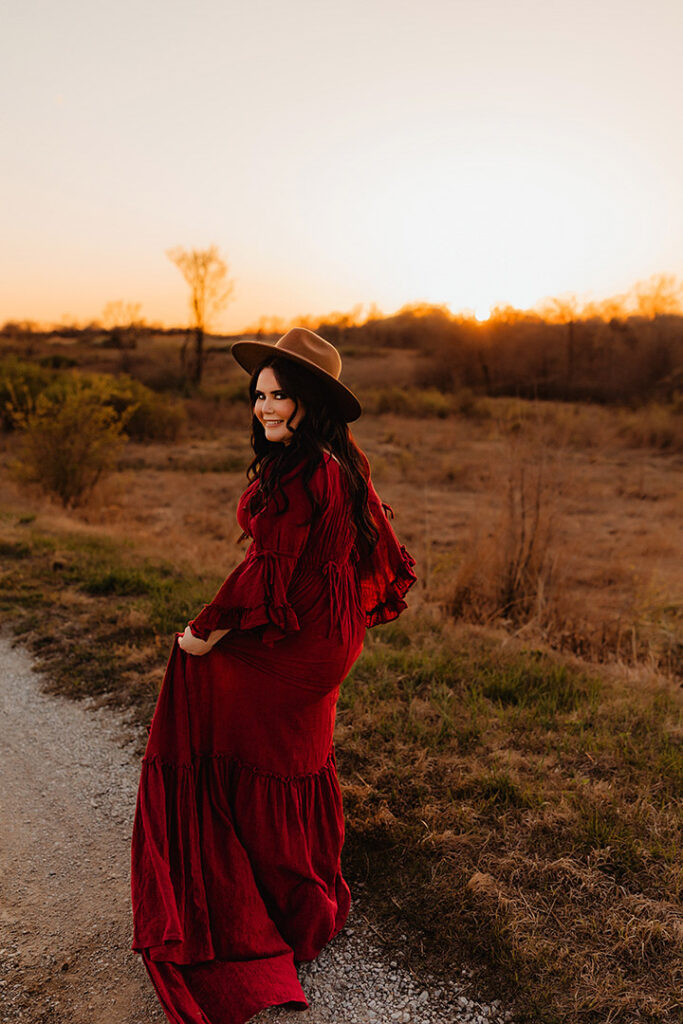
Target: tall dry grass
(509,567)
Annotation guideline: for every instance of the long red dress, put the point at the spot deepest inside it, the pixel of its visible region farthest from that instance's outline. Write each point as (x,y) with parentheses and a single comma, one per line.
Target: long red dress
(238,827)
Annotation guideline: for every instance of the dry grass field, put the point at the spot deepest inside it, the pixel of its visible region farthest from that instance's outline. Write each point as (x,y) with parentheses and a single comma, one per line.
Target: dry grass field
(510,749)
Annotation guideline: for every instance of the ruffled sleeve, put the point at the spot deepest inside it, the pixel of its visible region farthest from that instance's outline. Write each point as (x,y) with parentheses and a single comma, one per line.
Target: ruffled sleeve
(255,593)
(386,575)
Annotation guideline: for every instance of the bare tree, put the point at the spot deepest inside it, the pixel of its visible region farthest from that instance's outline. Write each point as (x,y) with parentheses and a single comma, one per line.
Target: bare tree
(206,273)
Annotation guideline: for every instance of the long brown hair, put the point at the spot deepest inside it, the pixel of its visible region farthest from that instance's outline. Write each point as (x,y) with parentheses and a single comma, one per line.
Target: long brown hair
(322,429)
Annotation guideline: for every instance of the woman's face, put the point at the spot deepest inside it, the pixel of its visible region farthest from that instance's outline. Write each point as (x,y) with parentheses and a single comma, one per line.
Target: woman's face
(273,408)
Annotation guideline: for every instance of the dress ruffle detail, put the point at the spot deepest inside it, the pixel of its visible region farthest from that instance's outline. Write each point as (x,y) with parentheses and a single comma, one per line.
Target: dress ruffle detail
(391,603)
(386,575)
(256,596)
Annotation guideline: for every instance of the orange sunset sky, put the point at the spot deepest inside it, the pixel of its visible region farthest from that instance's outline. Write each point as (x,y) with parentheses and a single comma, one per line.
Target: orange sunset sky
(337,153)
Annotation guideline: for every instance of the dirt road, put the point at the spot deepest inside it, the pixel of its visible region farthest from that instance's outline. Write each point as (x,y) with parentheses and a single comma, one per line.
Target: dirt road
(68,780)
(68,777)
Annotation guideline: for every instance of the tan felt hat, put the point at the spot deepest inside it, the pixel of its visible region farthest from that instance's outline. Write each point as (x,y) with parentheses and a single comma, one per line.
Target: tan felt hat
(310,350)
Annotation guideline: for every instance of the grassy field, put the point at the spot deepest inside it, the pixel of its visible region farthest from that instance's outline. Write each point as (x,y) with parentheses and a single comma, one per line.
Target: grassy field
(510,750)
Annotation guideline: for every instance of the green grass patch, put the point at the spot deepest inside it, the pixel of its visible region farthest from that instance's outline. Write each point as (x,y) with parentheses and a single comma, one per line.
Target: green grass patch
(98,615)
(14,549)
(520,812)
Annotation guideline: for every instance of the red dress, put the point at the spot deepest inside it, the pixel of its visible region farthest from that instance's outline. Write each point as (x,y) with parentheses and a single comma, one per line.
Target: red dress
(238,827)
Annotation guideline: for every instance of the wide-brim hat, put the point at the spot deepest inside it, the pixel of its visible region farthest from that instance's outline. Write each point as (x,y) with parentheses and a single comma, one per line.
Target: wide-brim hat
(310,350)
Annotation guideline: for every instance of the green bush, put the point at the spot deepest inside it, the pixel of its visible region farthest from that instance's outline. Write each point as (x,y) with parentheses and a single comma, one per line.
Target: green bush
(20,384)
(146,416)
(71,439)
(58,362)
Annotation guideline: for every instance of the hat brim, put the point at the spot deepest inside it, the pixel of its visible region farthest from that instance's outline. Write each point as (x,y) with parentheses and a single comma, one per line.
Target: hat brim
(250,355)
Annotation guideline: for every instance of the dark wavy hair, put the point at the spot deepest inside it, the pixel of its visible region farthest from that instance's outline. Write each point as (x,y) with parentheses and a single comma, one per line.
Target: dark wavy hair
(322,429)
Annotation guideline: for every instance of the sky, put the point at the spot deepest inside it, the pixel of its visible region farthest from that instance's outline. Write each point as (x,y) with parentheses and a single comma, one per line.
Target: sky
(338,154)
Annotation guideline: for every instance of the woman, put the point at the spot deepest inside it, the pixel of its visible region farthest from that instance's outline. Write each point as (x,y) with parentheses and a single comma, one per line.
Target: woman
(238,830)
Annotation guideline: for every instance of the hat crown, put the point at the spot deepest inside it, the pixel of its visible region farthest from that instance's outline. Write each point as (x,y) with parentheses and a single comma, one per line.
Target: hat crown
(306,345)
(307,349)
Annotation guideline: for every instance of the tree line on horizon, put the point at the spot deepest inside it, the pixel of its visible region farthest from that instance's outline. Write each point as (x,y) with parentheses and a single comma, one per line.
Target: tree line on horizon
(628,348)
(623,349)
(631,358)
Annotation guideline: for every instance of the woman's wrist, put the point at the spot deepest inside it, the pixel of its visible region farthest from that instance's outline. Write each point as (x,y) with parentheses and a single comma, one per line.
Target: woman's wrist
(215,635)
(192,644)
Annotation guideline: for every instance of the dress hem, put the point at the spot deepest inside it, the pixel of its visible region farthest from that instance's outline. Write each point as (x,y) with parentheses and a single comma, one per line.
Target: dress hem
(226,991)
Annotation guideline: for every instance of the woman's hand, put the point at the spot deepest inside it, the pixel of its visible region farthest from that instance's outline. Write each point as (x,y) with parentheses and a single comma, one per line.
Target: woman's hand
(191,644)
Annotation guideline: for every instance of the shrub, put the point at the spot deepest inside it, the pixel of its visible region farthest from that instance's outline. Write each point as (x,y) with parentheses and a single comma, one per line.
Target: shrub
(20,384)
(58,362)
(71,440)
(419,402)
(148,416)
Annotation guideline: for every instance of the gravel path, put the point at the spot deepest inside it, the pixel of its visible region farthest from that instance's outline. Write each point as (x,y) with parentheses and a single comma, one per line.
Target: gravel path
(68,779)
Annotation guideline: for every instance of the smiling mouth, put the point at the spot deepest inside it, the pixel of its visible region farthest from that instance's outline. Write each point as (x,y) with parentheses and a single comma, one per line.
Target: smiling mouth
(273,423)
